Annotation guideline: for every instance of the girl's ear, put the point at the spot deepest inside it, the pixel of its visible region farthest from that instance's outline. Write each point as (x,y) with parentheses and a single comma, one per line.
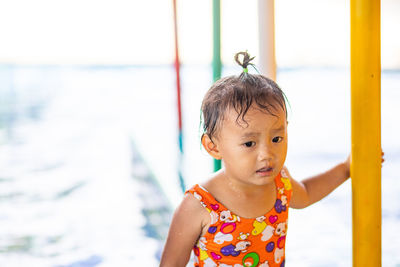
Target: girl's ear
(209,145)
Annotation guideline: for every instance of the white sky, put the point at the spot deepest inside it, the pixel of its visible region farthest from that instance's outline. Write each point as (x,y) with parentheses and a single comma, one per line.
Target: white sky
(141,32)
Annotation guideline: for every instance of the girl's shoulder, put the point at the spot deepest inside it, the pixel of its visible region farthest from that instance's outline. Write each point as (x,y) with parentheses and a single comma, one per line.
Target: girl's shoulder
(191,210)
(203,192)
(200,195)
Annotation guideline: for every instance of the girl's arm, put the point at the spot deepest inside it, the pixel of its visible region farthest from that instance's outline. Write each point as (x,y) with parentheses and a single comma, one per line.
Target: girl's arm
(317,187)
(185,229)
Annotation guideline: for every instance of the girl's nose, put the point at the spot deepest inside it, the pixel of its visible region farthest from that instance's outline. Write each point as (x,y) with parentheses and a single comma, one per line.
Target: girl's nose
(265,153)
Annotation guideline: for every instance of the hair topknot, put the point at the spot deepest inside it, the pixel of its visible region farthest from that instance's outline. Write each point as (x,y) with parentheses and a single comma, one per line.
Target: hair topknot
(245,59)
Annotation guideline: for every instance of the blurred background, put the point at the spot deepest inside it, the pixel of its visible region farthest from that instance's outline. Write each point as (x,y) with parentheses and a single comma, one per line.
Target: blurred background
(89,155)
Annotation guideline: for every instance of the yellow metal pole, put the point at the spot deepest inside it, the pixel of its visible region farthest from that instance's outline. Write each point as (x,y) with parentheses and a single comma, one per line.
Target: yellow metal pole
(366,131)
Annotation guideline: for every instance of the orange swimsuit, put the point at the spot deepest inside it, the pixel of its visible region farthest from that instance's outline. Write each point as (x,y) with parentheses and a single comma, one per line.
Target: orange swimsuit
(232,241)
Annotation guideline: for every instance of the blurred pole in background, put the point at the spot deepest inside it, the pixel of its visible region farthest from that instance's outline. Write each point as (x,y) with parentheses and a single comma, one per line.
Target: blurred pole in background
(366,131)
(266,28)
(216,63)
(178,92)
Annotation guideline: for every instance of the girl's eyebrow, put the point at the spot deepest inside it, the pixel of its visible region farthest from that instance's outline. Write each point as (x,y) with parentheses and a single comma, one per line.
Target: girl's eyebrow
(279,129)
(250,134)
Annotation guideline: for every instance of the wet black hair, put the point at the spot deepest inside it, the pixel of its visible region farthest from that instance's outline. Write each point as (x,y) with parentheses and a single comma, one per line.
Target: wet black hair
(240,92)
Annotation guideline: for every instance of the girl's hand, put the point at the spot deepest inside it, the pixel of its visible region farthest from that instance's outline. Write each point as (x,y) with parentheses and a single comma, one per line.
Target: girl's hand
(348,162)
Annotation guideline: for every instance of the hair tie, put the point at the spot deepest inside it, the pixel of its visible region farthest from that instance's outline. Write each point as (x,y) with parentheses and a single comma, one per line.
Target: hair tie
(245,70)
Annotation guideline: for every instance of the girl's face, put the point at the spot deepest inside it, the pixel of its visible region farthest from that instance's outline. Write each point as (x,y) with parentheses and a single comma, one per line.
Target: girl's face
(254,152)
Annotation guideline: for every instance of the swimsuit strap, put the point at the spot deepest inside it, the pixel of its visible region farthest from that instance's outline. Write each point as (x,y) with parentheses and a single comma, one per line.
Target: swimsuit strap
(205,198)
(283,185)
(215,208)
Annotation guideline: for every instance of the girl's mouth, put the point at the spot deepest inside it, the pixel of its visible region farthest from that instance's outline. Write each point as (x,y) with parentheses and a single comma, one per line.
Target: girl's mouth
(265,171)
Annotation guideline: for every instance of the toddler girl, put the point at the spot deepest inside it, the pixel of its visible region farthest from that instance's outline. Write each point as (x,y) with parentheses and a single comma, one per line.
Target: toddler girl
(239,216)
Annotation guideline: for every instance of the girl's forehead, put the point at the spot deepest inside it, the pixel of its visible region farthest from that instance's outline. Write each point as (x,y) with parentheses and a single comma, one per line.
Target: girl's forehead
(255,114)
(255,121)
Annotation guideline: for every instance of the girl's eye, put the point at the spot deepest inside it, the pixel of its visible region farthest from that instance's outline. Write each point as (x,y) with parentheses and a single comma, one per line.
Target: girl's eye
(249,144)
(277,139)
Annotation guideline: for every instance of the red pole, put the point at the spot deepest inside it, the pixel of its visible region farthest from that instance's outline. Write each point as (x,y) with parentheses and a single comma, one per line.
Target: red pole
(177,67)
(178,91)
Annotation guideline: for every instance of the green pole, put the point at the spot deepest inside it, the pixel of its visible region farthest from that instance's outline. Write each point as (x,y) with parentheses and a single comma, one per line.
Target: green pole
(216,63)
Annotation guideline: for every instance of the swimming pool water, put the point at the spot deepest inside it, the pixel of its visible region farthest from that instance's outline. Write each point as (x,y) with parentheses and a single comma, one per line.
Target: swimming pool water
(89,162)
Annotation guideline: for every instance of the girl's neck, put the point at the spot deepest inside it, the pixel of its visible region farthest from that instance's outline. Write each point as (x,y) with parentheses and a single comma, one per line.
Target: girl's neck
(242,189)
